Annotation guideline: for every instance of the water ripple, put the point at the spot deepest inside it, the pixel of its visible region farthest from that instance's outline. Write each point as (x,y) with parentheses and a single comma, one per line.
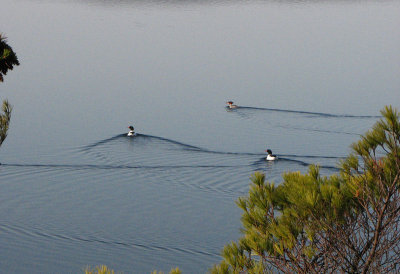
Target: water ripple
(39,233)
(319,114)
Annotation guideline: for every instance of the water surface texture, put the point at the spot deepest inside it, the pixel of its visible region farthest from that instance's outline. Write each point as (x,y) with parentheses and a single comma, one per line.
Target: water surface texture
(308,76)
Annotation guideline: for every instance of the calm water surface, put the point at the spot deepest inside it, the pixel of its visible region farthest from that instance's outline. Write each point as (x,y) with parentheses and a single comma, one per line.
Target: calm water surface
(309,78)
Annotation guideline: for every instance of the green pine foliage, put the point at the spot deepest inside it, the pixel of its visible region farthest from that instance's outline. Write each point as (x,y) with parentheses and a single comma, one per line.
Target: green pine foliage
(8,58)
(5,117)
(347,222)
(102,269)
(173,271)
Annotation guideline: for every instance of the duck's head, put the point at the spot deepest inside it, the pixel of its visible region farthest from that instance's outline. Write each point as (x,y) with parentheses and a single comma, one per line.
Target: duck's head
(268,151)
(131,127)
(229,102)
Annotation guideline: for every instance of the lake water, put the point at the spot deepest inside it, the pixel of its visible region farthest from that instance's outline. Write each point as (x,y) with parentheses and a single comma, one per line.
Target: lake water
(309,77)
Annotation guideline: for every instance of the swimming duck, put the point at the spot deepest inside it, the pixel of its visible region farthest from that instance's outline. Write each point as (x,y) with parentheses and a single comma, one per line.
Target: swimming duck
(231,105)
(131,131)
(270,156)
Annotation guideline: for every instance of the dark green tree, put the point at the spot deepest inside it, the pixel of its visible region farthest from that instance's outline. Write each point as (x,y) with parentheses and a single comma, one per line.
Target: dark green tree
(8,59)
(5,118)
(347,222)
(103,269)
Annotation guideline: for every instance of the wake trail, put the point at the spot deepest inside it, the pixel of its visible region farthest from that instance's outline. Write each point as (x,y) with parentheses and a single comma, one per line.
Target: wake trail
(188,147)
(102,142)
(193,148)
(320,114)
(260,163)
(93,167)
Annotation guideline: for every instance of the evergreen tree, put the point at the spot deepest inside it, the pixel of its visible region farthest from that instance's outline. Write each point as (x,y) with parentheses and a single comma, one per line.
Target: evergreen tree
(347,222)
(4,120)
(8,59)
(103,269)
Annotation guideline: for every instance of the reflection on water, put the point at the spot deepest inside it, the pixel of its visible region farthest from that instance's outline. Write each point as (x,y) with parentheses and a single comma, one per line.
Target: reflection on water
(309,77)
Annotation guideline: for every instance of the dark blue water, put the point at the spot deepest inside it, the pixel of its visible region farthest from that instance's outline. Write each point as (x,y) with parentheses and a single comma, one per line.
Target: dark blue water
(309,77)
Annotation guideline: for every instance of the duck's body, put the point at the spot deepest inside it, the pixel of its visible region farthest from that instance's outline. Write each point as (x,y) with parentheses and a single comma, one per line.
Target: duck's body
(131,131)
(231,105)
(270,156)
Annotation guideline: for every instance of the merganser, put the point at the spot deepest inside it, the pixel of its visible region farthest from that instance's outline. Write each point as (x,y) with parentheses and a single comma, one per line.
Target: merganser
(131,131)
(270,156)
(231,105)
